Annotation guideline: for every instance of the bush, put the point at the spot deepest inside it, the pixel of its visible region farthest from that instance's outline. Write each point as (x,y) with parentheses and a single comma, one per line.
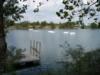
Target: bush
(83,63)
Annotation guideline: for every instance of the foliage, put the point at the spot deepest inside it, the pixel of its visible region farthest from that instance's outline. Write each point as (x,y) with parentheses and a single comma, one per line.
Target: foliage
(69,25)
(36,23)
(99,25)
(72,55)
(89,64)
(44,24)
(83,63)
(73,8)
(93,26)
(12,11)
(13,54)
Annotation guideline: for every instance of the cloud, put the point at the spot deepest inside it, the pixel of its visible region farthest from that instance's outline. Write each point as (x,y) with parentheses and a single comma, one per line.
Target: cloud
(89,1)
(47,11)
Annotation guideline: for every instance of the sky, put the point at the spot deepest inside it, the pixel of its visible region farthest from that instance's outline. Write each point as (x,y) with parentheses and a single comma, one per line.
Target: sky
(47,11)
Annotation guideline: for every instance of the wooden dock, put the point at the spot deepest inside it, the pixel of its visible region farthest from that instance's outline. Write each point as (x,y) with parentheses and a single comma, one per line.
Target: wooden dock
(30,57)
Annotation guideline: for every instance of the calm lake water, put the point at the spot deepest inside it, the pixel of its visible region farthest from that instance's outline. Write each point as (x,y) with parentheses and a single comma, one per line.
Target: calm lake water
(51,52)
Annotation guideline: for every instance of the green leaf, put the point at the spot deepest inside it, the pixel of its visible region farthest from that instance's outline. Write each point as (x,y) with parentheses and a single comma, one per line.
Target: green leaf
(70,7)
(65,2)
(62,17)
(95,19)
(98,9)
(61,10)
(36,10)
(66,7)
(65,14)
(58,14)
(92,14)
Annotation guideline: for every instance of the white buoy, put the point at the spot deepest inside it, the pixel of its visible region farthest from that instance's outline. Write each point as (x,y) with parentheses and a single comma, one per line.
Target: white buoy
(30,29)
(72,33)
(66,32)
(51,31)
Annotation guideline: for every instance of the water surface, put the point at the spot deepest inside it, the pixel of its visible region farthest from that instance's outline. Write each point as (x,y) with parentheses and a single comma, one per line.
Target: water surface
(51,52)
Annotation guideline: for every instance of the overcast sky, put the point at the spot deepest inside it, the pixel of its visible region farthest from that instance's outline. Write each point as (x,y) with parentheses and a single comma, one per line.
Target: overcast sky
(47,11)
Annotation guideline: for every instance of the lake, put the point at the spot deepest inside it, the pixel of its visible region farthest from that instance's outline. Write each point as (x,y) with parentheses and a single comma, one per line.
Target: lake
(51,52)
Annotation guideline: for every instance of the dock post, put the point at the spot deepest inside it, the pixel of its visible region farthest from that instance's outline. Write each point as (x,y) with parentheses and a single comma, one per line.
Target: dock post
(30,47)
(34,44)
(39,51)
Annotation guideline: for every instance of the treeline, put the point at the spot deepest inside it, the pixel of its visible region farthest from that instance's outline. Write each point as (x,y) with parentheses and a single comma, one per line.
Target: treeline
(51,25)
(94,25)
(46,25)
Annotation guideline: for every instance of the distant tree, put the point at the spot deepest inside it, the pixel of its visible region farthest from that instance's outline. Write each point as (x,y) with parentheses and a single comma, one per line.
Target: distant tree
(99,25)
(37,23)
(24,23)
(43,23)
(73,8)
(70,24)
(93,26)
(52,25)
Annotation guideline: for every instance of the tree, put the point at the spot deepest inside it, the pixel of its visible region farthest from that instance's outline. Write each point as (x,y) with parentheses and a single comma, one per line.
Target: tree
(43,24)
(69,24)
(99,25)
(53,25)
(93,26)
(73,8)
(83,62)
(35,23)
(12,11)
(9,12)
(2,39)
(89,64)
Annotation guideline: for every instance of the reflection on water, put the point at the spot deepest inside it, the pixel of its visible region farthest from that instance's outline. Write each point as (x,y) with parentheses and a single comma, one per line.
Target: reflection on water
(51,52)
(51,31)
(66,32)
(30,29)
(72,33)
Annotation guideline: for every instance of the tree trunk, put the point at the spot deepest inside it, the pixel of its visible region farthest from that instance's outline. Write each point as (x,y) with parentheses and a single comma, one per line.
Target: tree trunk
(3,46)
